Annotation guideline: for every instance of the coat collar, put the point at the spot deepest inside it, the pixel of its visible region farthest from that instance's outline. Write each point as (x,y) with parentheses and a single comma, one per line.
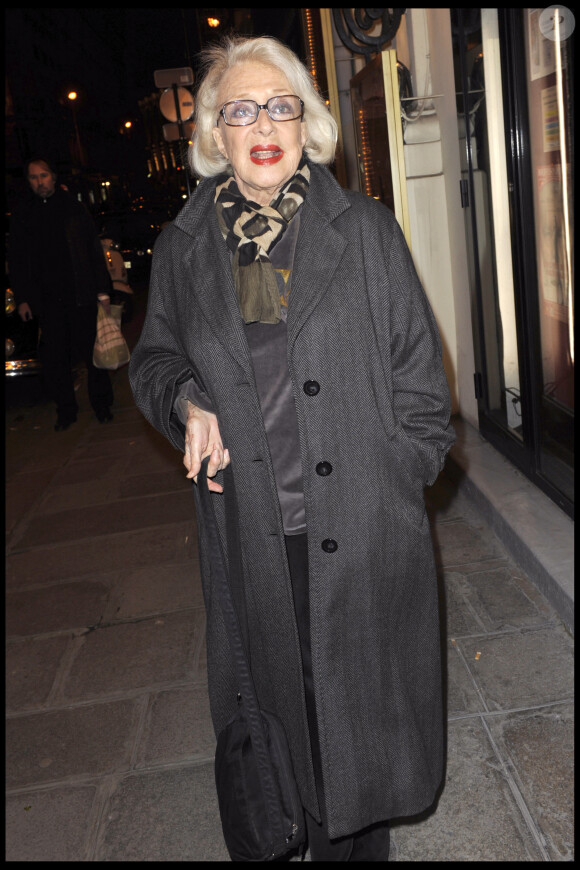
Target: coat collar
(206,260)
(319,250)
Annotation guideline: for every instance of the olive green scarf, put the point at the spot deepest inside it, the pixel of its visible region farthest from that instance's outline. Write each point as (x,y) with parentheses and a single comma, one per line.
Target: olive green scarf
(251,231)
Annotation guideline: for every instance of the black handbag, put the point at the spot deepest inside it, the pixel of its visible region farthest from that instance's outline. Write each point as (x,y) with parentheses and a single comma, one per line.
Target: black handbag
(260,808)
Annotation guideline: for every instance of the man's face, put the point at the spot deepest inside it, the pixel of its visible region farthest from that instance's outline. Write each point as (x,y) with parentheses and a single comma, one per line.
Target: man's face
(41,179)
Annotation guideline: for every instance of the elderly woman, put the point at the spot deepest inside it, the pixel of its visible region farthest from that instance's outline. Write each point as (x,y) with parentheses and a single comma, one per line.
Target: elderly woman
(287,333)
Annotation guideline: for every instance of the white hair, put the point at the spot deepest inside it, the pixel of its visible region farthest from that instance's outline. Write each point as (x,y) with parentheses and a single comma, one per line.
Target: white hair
(204,157)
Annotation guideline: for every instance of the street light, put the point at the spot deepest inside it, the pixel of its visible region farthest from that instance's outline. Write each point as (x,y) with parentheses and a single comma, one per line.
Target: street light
(72,96)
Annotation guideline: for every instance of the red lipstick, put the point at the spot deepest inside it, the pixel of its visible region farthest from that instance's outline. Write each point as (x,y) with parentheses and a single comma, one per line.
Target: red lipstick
(266,155)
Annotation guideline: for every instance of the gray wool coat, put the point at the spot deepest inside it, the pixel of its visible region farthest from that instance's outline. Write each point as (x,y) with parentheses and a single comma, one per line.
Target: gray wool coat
(364,356)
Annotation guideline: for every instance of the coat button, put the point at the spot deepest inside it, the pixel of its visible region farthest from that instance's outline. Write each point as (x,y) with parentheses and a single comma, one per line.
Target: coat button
(324,469)
(329,546)
(311,388)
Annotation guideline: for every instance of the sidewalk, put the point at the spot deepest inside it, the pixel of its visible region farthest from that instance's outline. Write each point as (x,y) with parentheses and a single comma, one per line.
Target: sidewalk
(109,739)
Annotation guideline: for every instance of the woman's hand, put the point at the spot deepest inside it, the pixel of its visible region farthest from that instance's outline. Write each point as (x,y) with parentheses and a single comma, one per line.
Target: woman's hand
(202,438)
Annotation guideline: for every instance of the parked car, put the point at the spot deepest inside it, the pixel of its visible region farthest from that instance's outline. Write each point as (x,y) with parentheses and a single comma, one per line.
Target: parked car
(21,341)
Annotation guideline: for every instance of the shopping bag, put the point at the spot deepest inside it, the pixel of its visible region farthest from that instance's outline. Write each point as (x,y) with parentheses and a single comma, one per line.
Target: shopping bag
(111,350)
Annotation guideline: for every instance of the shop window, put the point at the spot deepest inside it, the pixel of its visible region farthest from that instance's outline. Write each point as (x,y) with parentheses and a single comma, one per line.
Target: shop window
(515,97)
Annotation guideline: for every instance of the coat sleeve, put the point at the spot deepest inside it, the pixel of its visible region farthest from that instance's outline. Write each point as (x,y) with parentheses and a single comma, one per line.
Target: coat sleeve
(421,399)
(19,260)
(159,365)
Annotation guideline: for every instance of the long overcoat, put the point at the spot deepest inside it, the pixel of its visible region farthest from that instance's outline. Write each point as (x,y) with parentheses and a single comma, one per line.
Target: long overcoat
(372,401)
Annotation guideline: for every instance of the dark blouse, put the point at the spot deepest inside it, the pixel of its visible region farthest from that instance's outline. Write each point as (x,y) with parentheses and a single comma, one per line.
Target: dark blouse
(268,347)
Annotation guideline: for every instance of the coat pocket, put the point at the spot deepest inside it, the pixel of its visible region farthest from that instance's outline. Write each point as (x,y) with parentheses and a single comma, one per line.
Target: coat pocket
(410,477)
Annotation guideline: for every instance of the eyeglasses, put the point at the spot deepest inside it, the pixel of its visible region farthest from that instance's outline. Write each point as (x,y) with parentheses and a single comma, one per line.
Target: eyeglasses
(240,113)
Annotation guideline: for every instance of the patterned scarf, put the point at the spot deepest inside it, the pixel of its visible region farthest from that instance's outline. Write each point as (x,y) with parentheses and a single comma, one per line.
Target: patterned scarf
(251,231)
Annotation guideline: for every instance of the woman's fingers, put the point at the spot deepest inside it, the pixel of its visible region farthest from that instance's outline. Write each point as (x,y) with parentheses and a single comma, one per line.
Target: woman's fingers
(219,459)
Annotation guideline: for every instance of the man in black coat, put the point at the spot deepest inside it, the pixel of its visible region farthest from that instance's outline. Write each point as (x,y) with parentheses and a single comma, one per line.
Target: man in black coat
(57,272)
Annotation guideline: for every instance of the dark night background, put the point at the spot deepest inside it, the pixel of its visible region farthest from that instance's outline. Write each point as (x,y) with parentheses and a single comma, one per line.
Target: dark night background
(108,56)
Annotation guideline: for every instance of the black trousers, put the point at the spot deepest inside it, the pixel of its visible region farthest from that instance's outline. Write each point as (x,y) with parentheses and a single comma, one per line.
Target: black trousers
(68,336)
(372,843)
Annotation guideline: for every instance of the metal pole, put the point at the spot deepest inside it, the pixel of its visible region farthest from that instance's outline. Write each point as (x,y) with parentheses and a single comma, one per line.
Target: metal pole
(182,136)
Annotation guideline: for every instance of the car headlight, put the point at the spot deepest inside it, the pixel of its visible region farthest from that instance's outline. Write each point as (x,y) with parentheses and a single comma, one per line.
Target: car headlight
(9,347)
(9,302)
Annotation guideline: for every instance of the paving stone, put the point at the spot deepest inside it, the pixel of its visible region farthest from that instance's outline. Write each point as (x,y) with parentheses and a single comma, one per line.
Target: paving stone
(86,740)
(106,451)
(55,608)
(459,542)
(151,455)
(46,449)
(168,815)
(135,655)
(123,516)
(49,825)
(171,480)
(145,452)
(77,497)
(118,430)
(540,746)
(86,470)
(107,553)
(460,617)
(462,696)
(520,669)
(500,600)
(22,493)
(476,817)
(128,412)
(178,728)
(155,589)
(31,668)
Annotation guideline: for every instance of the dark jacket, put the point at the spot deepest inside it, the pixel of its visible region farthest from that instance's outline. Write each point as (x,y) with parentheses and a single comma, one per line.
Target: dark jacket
(73,234)
(372,400)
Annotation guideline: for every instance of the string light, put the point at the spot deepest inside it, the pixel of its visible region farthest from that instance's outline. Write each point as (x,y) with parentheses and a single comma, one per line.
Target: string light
(366,153)
(311,43)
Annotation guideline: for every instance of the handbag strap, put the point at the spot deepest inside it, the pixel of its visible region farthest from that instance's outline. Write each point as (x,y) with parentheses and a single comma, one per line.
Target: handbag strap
(243,673)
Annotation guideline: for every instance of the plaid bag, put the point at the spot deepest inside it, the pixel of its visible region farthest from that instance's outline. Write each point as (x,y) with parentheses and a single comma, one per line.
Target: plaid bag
(111,350)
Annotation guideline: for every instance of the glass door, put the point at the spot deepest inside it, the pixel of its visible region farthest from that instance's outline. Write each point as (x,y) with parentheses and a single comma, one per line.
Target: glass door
(515,95)
(550,101)
(376,111)
(370,123)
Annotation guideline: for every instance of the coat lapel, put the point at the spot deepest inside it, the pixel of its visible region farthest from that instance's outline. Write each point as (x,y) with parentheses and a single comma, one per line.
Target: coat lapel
(208,260)
(319,248)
